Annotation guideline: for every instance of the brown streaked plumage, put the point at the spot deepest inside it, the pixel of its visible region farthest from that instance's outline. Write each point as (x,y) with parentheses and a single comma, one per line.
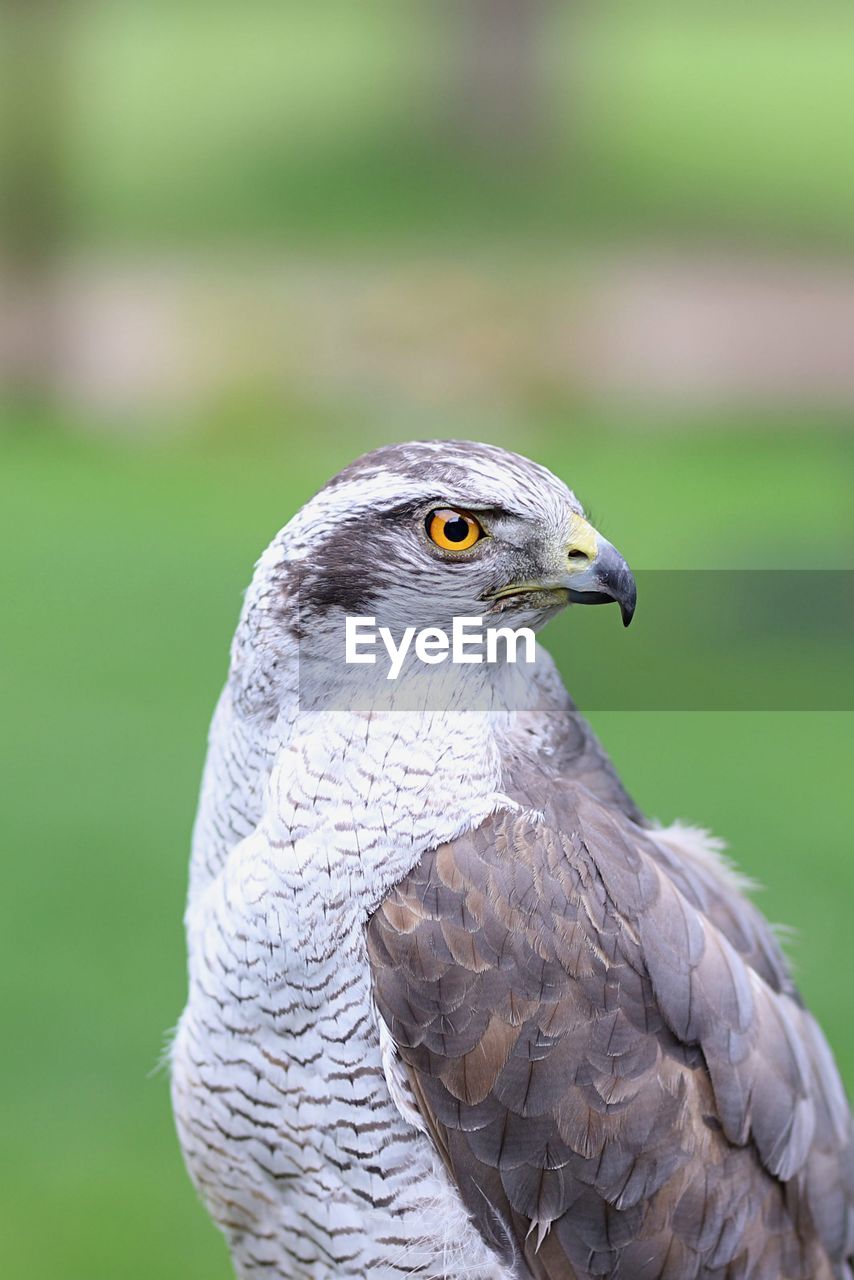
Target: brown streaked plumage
(608,1050)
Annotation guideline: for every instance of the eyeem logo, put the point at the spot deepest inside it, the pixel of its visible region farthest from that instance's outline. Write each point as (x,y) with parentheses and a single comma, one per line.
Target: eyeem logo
(468,642)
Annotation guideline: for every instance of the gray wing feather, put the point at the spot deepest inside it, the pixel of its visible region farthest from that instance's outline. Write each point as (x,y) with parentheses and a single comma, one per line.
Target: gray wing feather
(615,1068)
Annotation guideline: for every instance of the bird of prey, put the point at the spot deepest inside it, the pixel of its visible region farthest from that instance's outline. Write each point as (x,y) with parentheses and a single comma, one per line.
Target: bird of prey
(456,1008)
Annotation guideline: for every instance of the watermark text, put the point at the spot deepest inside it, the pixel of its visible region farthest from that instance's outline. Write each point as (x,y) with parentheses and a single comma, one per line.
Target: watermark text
(469,642)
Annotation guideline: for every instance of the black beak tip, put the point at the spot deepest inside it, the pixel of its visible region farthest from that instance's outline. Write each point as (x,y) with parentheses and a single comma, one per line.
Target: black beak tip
(628,598)
(616,588)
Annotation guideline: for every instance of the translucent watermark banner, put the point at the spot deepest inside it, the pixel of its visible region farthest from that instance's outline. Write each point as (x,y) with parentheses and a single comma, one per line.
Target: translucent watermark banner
(716,640)
(701,640)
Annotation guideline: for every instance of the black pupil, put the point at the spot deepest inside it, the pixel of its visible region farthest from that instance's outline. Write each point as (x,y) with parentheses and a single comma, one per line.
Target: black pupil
(456,530)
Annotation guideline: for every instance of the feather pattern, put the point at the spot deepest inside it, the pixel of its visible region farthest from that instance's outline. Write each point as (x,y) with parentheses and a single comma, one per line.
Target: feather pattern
(455,1010)
(614,1053)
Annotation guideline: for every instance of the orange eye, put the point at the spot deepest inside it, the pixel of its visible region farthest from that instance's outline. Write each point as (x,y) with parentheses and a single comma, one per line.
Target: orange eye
(453,530)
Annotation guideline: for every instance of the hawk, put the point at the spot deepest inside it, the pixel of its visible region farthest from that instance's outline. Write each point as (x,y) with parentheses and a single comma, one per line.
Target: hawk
(456,1008)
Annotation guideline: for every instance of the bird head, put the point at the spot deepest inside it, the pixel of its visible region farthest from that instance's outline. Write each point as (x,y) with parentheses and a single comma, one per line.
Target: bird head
(416,534)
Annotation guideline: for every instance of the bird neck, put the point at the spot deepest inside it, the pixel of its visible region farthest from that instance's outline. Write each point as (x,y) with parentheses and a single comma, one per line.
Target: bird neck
(354,800)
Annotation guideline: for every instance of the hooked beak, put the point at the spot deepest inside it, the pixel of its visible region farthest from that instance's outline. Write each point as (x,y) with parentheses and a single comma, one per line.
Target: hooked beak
(601,576)
(591,571)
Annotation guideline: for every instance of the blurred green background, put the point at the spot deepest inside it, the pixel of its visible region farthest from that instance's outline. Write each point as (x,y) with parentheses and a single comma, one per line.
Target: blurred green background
(243,245)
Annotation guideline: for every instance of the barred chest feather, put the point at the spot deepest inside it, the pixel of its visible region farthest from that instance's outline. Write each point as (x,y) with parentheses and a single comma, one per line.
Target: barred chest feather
(283,1093)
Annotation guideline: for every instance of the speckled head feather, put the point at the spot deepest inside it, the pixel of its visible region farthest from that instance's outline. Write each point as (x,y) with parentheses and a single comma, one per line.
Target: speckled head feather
(360,542)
